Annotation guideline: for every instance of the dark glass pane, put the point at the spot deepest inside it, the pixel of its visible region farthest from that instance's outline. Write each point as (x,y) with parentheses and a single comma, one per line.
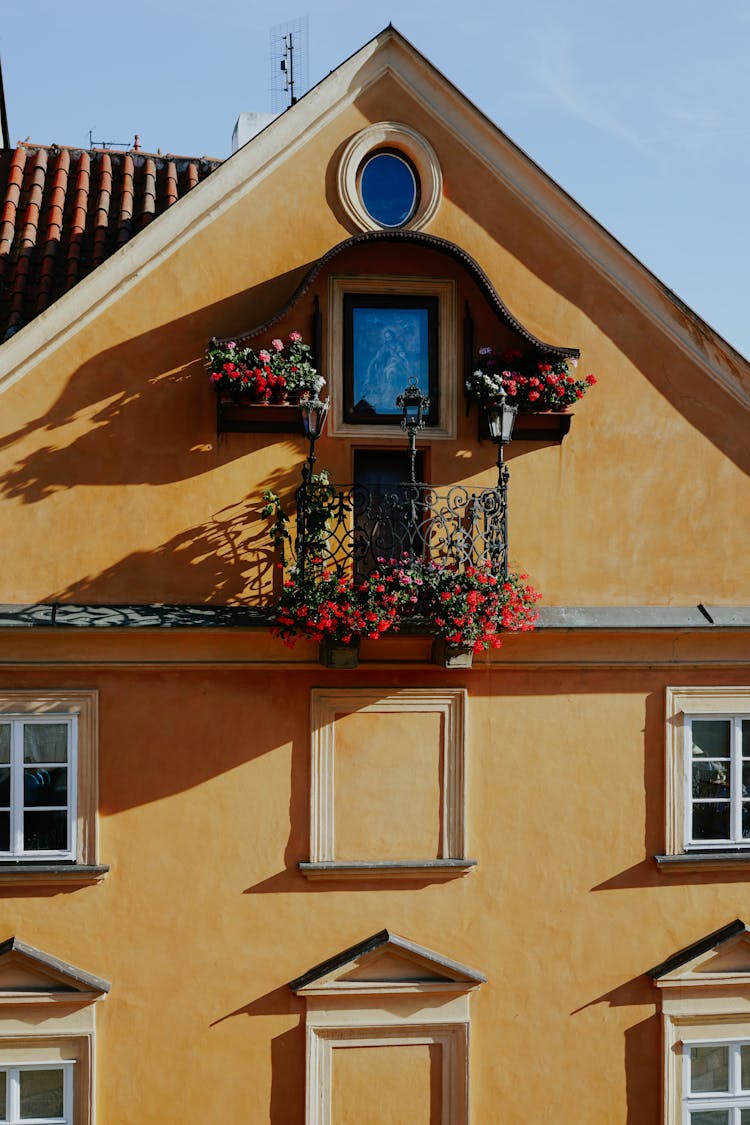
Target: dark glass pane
(745,1061)
(45,831)
(746,779)
(711,821)
(746,737)
(5,743)
(710,778)
(711,738)
(45,742)
(746,825)
(745,1117)
(41,1093)
(4,831)
(3,1095)
(5,788)
(388,189)
(709,1117)
(45,787)
(709,1069)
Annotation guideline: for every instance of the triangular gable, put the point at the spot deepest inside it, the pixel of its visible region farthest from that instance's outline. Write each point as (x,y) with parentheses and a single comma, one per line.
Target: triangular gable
(386,963)
(720,957)
(387,54)
(28,976)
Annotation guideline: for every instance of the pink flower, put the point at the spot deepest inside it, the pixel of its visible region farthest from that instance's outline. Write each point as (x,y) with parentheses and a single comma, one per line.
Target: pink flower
(264,357)
(295,337)
(277,345)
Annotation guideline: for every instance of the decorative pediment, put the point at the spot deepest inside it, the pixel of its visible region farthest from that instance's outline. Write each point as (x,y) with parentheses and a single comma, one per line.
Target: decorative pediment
(721,957)
(386,963)
(28,976)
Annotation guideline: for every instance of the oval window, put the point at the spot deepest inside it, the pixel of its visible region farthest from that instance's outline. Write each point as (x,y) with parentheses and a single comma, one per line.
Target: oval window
(389,189)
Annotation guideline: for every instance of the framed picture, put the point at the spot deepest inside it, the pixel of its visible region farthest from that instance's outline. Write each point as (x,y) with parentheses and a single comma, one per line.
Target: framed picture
(389,341)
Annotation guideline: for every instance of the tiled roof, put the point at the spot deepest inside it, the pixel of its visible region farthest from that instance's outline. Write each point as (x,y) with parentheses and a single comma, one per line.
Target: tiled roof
(63,211)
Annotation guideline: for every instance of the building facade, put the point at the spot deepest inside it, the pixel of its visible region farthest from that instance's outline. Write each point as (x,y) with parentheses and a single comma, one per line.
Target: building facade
(239,886)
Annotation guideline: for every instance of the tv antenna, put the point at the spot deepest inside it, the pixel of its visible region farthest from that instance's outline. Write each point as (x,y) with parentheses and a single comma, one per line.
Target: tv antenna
(289,63)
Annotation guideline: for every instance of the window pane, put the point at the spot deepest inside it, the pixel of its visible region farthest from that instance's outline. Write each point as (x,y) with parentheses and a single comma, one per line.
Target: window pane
(45,831)
(711,779)
(745,1117)
(41,1093)
(3,1095)
(45,787)
(746,820)
(745,1061)
(5,743)
(5,788)
(711,821)
(746,779)
(746,737)
(4,831)
(388,189)
(709,1069)
(710,1117)
(45,742)
(711,738)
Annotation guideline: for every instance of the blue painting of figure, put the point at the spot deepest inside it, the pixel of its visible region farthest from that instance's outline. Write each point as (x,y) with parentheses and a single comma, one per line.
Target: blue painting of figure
(390,348)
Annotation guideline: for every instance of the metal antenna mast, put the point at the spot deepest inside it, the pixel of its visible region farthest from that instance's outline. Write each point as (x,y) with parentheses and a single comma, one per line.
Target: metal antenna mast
(289,63)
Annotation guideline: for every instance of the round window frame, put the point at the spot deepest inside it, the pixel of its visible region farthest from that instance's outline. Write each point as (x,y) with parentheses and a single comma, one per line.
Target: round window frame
(403,141)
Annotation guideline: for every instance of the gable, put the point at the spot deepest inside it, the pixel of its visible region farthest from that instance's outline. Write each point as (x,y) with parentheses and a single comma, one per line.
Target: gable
(29,976)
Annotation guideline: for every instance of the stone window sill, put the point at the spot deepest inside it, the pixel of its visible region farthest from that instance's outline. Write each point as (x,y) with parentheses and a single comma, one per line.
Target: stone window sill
(727,860)
(432,869)
(51,874)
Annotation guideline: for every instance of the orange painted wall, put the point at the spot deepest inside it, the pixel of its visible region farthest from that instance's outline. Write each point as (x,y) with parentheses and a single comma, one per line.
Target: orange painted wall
(204,916)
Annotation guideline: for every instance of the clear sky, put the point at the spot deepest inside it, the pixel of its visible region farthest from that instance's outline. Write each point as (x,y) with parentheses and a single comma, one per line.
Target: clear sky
(640,109)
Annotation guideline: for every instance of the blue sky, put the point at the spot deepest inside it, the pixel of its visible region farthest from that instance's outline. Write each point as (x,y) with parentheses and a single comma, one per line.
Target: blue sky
(639,109)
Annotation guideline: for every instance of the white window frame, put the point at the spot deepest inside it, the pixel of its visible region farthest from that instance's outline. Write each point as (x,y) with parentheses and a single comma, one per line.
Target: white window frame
(18,768)
(735,1100)
(13,1070)
(735,838)
(683,704)
(82,705)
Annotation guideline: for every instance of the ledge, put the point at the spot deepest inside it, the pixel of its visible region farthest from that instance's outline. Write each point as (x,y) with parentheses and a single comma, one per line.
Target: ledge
(257,418)
(389,869)
(51,874)
(703,861)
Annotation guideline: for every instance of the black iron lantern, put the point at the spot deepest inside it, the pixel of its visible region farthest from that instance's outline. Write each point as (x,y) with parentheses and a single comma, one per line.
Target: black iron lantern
(413,406)
(314,413)
(500,419)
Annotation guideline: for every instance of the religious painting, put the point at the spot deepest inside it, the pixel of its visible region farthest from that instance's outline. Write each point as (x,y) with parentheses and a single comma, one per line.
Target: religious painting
(389,342)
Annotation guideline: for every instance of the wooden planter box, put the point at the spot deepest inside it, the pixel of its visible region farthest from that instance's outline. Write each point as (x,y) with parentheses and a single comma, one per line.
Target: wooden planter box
(451,656)
(257,418)
(335,654)
(539,426)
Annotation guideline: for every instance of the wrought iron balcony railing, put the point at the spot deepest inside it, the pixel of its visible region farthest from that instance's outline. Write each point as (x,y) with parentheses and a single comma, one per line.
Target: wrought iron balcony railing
(351,528)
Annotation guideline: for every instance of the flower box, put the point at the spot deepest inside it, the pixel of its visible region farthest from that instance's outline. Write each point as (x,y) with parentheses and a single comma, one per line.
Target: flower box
(534,426)
(237,417)
(446,655)
(337,654)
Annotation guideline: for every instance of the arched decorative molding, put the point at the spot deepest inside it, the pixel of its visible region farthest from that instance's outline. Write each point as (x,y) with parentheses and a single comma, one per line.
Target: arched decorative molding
(389,135)
(414,238)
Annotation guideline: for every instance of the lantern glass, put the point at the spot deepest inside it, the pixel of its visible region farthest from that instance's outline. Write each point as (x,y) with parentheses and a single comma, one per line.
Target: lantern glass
(314,414)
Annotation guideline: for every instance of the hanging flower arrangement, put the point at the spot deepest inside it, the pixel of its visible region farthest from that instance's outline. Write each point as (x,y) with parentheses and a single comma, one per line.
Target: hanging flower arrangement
(269,375)
(529,383)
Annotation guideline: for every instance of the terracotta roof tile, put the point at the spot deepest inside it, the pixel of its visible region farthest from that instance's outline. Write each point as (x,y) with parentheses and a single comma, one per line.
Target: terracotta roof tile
(64,211)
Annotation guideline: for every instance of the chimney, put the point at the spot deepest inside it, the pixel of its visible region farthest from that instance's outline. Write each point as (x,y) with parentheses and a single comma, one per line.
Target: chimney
(248,126)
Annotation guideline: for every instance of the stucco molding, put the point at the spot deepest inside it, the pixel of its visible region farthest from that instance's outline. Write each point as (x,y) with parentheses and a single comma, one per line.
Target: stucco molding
(387,54)
(328,703)
(393,135)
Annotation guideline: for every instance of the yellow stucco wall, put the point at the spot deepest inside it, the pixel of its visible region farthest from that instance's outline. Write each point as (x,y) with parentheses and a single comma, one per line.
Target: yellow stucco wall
(115,488)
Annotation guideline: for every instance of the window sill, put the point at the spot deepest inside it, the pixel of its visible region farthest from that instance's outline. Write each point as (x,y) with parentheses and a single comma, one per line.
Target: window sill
(432,869)
(52,874)
(732,858)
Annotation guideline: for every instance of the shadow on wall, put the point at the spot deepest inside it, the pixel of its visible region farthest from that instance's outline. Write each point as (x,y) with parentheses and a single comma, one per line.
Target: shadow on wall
(146,404)
(287,1105)
(228,558)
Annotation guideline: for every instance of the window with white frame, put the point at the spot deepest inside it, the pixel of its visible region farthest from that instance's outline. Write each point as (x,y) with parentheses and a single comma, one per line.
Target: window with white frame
(716,1083)
(36,1094)
(38,772)
(717,752)
(708,774)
